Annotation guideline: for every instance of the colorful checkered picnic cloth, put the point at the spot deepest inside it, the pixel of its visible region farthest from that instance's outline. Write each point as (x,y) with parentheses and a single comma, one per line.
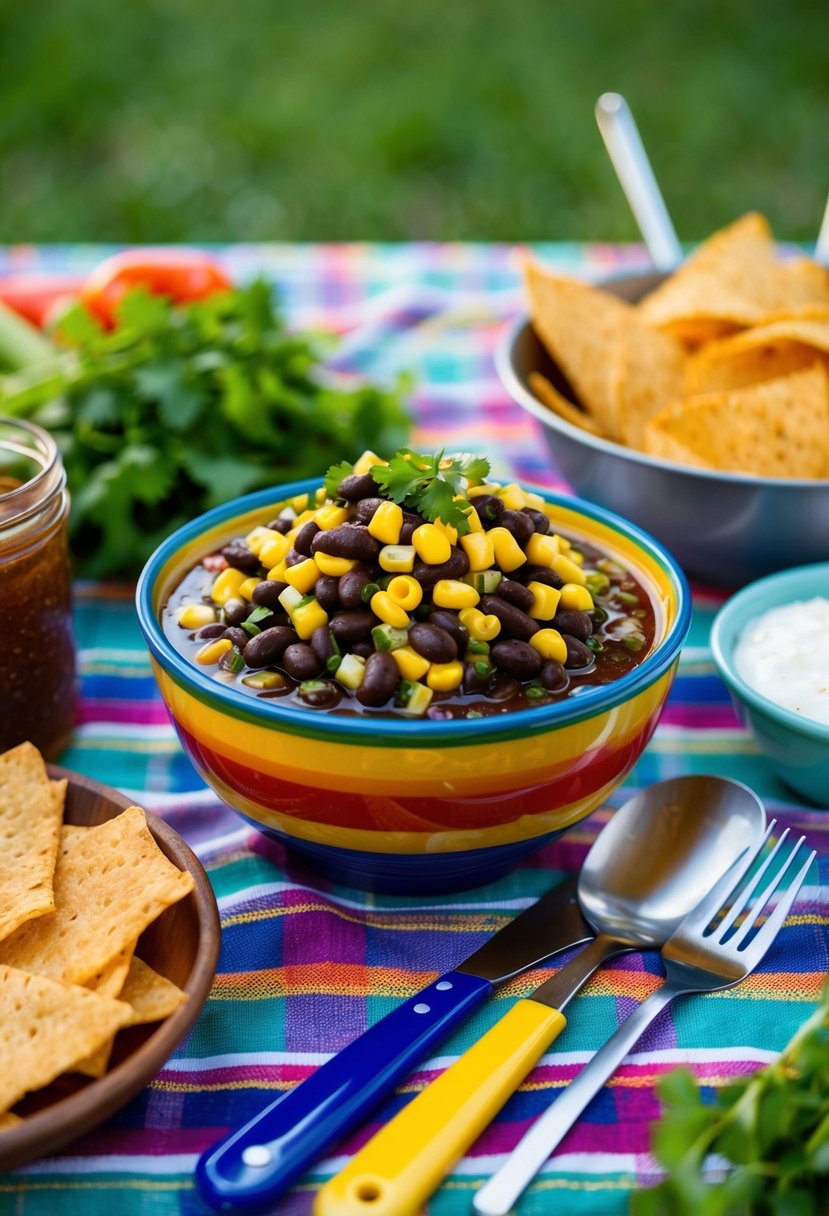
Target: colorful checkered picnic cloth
(306,966)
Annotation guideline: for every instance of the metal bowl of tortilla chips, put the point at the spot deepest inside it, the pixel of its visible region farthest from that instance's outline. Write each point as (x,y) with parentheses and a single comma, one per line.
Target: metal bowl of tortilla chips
(696,404)
(109,937)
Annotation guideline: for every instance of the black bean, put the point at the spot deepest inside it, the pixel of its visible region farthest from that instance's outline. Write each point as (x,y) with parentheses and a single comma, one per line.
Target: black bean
(410,522)
(320,694)
(266,594)
(541,523)
(350,586)
(356,486)
(434,643)
(365,508)
(349,541)
(353,626)
(553,676)
(230,658)
(210,631)
(515,593)
(303,538)
(518,524)
(326,590)
(514,622)
(321,643)
(570,620)
(301,662)
(489,507)
(240,557)
(235,611)
(540,574)
(455,567)
(281,525)
(578,655)
(448,620)
(517,659)
(472,680)
(363,648)
(380,679)
(293,557)
(269,645)
(237,635)
(503,687)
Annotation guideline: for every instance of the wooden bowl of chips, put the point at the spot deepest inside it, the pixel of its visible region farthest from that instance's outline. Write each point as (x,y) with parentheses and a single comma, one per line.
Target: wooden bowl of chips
(700,414)
(177,950)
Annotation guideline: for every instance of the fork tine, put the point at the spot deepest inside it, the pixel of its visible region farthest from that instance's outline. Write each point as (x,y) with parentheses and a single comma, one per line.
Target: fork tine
(739,904)
(757,947)
(708,907)
(763,898)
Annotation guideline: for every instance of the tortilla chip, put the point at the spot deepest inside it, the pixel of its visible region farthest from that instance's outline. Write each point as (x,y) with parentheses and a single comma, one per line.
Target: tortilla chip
(151,995)
(727,283)
(578,324)
(70,834)
(549,395)
(108,888)
(776,429)
(647,372)
(719,366)
(111,979)
(46,1027)
(96,1064)
(31,810)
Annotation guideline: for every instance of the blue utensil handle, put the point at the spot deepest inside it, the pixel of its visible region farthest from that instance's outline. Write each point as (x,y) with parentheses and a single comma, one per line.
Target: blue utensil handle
(258,1162)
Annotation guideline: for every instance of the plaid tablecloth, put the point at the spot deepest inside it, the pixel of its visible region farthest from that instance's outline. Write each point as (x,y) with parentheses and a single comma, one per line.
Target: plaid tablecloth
(306,966)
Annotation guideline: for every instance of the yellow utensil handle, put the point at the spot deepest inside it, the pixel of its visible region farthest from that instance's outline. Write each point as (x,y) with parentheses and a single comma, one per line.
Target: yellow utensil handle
(406,1161)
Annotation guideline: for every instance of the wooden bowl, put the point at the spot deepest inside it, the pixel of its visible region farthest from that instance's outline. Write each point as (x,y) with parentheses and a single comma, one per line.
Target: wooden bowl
(182,944)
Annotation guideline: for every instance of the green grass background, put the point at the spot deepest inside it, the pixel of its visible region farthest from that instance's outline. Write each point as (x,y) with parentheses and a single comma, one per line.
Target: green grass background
(137,120)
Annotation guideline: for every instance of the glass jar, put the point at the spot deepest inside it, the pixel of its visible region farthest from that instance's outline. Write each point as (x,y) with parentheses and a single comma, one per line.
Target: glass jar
(37,654)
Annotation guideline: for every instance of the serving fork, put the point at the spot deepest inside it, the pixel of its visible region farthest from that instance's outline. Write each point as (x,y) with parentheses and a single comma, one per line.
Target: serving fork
(718,944)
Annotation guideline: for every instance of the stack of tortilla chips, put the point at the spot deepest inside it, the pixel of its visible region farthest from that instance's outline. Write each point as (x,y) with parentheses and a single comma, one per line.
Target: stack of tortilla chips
(724,366)
(73,903)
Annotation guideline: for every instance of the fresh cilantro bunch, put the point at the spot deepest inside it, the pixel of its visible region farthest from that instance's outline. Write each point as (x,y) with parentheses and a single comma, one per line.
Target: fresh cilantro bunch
(434,484)
(770,1133)
(180,408)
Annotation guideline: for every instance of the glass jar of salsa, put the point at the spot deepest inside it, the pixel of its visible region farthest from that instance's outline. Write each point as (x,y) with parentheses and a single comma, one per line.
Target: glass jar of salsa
(37,655)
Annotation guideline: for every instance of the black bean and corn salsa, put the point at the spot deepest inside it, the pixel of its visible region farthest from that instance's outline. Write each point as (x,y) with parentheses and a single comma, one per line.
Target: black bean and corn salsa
(413,587)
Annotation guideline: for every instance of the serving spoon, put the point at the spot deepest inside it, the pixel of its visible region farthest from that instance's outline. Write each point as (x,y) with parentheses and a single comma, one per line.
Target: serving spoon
(652,863)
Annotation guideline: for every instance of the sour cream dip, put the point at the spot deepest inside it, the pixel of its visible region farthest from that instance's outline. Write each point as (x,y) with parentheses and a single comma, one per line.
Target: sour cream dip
(784,655)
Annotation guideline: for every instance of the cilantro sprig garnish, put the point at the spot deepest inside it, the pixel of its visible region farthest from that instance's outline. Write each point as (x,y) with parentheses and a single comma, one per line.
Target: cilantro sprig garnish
(434,485)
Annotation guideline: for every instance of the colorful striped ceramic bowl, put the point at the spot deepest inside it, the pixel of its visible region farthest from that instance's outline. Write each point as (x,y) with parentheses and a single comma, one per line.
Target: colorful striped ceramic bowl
(414,806)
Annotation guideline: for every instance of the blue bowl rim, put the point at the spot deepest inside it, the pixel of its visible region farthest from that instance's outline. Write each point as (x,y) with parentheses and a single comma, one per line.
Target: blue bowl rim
(415,732)
(523,396)
(723,653)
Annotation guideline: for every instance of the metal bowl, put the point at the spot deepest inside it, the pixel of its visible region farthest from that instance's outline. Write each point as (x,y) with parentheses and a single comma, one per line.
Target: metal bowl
(724,528)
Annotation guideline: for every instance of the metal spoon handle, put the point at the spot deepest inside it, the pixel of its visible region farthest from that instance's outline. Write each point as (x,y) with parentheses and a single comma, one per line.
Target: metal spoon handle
(630,160)
(498,1196)
(822,245)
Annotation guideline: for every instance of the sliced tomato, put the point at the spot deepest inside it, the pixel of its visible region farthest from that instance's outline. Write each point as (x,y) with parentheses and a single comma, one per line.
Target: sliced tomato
(36,296)
(180,274)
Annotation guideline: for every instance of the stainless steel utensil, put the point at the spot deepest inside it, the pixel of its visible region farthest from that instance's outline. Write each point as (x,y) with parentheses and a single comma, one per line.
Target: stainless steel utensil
(701,956)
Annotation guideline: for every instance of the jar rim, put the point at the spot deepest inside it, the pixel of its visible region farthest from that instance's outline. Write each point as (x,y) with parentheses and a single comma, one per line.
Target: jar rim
(29,497)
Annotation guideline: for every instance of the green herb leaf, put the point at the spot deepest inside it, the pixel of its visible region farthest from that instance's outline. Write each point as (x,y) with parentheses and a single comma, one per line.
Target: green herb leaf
(335,474)
(430,484)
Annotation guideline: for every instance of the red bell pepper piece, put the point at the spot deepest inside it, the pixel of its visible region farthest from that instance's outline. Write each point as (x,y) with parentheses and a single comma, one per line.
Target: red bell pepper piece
(35,296)
(180,274)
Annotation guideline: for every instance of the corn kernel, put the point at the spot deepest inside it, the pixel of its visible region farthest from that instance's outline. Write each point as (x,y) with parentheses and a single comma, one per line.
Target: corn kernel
(452,593)
(448,531)
(513,497)
(247,588)
(576,556)
(303,575)
(308,617)
(564,545)
(477,491)
(259,537)
(277,573)
(473,519)
(405,591)
(397,559)
(330,517)
(410,664)
(386,523)
(431,545)
(573,595)
(299,503)
(508,553)
(541,549)
(568,570)
(213,651)
(304,518)
(195,616)
(545,601)
(550,644)
(320,495)
(364,463)
(536,501)
(351,671)
(226,586)
(328,564)
(480,550)
(388,610)
(444,677)
(481,627)
(274,551)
